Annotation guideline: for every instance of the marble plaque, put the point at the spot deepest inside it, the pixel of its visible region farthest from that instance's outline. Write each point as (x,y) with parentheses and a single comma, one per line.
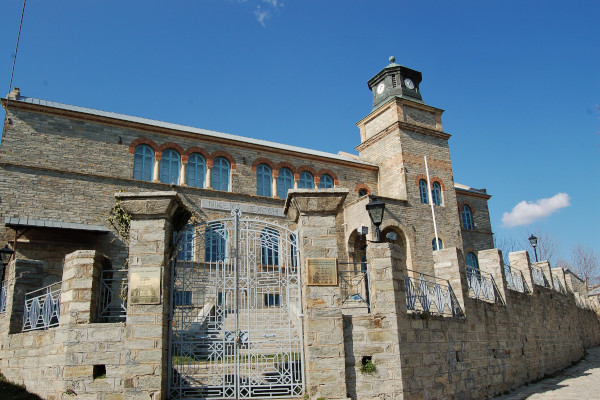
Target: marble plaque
(322,271)
(144,286)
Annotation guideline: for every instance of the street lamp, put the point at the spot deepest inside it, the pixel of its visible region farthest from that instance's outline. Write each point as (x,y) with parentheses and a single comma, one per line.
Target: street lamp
(533,243)
(375,209)
(5,256)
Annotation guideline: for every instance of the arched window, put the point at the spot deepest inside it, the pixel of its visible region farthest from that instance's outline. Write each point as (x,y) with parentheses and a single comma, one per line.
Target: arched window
(215,242)
(196,170)
(285,182)
(264,181)
(143,161)
(325,182)
(467,217)
(439,246)
(169,167)
(220,174)
(362,192)
(269,243)
(436,193)
(472,260)
(423,191)
(306,180)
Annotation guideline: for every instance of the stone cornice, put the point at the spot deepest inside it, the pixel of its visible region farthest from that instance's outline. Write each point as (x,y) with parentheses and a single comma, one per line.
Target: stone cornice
(36,108)
(465,192)
(398,125)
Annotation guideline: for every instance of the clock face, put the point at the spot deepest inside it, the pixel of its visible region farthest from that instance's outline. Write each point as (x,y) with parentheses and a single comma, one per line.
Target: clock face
(409,84)
(380,88)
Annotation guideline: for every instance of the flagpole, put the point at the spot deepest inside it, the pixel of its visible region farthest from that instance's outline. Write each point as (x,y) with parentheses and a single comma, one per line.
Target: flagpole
(437,241)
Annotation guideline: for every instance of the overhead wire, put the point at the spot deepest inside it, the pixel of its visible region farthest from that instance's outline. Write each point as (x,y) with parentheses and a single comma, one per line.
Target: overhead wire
(12,72)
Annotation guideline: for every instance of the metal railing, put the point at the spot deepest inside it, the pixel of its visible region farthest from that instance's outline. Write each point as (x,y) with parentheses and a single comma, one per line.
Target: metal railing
(3,292)
(539,278)
(515,280)
(354,285)
(558,286)
(481,286)
(42,308)
(426,293)
(112,299)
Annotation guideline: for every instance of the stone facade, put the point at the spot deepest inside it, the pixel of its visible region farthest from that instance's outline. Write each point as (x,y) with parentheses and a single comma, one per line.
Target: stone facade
(64,168)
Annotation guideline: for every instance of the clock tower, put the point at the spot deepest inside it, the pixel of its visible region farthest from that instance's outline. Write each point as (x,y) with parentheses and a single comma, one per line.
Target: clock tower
(395,81)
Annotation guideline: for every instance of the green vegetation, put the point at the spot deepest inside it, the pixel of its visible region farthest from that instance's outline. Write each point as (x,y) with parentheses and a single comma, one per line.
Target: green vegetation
(368,367)
(13,391)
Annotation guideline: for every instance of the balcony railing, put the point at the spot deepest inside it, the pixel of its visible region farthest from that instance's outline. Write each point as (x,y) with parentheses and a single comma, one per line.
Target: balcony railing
(112,301)
(482,286)
(515,280)
(354,285)
(3,292)
(426,293)
(42,308)
(539,278)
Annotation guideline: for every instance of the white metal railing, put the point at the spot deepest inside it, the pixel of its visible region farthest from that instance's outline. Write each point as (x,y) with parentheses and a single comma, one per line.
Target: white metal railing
(3,293)
(515,280)
(558,286)
(426,293)
(42,308)
(539,278)
(354,284)
(482,286)
(112,299)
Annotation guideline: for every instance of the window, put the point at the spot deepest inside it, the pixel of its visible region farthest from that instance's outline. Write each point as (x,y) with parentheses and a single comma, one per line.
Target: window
(196,170)
(269,244)
(436,193)
(182,298)
(439,246)
(264,181)
(185,249)
(362,193)
(169,167)
(467,217)
(423,191)
(306,180)
(143,162)
(220,174)
(325,182)
(285,182)
(272,299)
(472,260)
(215,246)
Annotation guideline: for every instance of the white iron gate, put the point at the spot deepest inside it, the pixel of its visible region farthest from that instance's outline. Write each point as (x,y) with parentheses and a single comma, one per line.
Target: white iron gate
(235,308)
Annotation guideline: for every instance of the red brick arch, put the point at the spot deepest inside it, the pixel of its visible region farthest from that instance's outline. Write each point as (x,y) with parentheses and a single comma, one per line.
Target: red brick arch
(305,168)
(139,141)
(265,161)
(432,179)
(199,150)
(328,172)
(173,146)
(465,203)
(286,165)
(362,186)
(224,154)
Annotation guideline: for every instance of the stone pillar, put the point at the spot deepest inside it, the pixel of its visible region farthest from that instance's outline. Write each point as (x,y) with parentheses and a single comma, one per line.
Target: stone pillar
(81,286)
(490,261)
(25,276)
(156,169)
(183,174)
(519,261)
(147,331)
(208,179)
(449,264)
(544,266)
(315,213)
(559,273)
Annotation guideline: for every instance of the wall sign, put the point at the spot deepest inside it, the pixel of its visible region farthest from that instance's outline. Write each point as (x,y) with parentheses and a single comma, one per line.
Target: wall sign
(144,286)
(244,207)
(322,271)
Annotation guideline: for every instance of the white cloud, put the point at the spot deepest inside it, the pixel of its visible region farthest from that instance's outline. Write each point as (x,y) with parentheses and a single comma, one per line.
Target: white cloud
(527,212)
(263,14)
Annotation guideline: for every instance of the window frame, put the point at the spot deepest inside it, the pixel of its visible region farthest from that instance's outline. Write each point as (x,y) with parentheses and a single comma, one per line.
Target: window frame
(470,255)
(323,185)
(264,180)
(436,193)
(170,166)
(423,191)
(440,245)
(140,158)
(221,173)
(284,183)
(193,165)
(306,181)
(466,217)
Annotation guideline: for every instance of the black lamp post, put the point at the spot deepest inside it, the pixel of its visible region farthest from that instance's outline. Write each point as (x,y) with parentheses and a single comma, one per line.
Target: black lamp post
(533,243)
(375,209)
(5,255)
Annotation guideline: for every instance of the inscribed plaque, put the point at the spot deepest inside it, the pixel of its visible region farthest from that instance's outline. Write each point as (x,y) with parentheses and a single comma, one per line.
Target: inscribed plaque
(145,286)
(322,271)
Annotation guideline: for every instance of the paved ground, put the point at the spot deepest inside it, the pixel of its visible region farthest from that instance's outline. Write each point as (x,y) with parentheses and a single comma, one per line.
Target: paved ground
(581,381)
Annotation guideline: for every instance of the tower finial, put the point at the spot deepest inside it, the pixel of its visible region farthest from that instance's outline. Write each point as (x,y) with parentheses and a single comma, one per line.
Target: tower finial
(392,59)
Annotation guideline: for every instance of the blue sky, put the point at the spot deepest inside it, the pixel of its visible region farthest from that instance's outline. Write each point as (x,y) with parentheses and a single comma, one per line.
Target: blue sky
(519,81)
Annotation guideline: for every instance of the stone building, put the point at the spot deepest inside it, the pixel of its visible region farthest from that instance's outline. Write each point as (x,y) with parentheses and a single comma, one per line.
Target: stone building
(154,260)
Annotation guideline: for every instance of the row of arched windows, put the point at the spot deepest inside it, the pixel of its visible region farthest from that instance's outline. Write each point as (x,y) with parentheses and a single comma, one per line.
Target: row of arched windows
(436,192)
(195,173)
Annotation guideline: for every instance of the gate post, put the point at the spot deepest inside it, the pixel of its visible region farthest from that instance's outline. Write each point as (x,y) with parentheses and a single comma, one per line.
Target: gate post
(315,212)
(147,324)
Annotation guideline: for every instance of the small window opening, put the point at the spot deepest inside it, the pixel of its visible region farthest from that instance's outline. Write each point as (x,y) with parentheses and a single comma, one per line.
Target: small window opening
(99,371)
(366,359)
(393,81)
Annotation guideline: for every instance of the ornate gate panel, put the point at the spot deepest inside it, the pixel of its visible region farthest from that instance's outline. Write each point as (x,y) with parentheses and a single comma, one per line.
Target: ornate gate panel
(236,328)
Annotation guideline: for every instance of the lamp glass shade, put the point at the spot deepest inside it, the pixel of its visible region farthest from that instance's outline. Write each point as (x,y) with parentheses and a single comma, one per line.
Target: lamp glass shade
(533,241)
(5,254)
(375,209)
